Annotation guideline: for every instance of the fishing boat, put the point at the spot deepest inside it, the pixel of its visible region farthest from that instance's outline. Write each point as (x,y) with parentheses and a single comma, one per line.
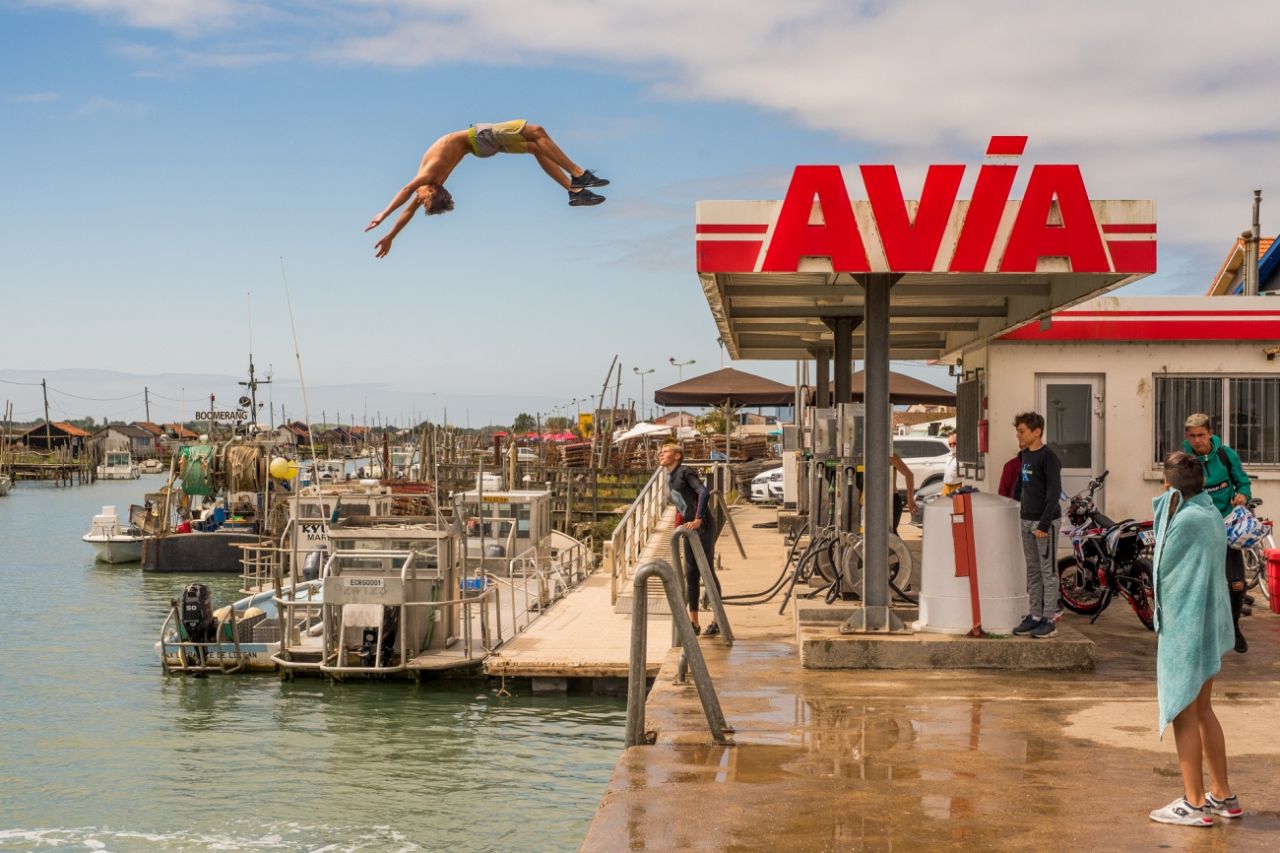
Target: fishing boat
(112,542)
(210,508)
(151,466)
(118,465)
(387,595)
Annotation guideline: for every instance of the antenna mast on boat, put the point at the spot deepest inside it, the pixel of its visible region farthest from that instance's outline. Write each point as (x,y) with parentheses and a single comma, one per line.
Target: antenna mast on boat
(253,384)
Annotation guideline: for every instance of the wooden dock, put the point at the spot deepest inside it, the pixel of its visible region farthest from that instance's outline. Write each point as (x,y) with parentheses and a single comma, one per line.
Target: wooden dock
(580,636)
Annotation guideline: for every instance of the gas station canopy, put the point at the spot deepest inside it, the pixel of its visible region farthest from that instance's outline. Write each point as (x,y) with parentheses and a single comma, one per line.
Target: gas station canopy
(776,274)
(818,275)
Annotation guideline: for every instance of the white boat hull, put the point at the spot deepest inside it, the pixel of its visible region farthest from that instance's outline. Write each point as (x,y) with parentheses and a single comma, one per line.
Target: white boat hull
(118,473)
(122,549)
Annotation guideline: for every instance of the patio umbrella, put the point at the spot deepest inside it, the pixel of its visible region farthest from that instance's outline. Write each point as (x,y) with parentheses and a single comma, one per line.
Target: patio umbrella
(727,389)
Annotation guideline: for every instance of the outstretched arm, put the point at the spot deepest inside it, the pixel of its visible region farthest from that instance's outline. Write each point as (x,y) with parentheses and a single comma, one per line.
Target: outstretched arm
(400,198)
(896,461)
(384,245)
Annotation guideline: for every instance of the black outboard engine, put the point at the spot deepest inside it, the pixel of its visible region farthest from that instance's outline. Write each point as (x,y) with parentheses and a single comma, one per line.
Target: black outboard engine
(368,649)
(196,612)
(311,565)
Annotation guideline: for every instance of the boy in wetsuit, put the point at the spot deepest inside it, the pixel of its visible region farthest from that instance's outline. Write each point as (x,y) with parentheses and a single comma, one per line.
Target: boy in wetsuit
(427,190)
(693,501)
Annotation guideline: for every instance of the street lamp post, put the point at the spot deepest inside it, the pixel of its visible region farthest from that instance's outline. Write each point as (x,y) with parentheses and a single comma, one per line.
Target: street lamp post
(641,373)
(681,365)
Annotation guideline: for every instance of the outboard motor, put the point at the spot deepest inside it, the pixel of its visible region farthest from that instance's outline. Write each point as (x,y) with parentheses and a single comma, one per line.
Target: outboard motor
(196,612)
(369,638)
(311,565)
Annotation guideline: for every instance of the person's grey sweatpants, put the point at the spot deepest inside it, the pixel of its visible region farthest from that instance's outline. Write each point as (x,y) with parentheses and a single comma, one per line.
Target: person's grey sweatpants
(1042,570)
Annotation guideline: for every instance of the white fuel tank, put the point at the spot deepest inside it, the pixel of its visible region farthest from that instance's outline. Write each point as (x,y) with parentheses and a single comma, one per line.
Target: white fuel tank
(1002,573)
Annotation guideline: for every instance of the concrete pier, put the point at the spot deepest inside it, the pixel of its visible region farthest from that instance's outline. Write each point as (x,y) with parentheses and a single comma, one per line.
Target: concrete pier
(922,760)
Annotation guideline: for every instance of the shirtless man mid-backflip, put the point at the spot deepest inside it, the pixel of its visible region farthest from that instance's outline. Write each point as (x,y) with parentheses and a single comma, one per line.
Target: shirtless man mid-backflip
(483,140)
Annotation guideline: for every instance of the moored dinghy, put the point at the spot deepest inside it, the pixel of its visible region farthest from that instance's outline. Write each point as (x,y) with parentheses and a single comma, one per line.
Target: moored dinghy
(113,543)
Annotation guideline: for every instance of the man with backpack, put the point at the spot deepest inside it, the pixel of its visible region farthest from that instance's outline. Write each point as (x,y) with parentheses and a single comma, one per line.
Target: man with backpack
(1228,485)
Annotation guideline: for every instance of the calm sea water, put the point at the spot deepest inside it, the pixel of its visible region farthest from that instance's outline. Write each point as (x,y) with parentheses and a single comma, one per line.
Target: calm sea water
(100,751)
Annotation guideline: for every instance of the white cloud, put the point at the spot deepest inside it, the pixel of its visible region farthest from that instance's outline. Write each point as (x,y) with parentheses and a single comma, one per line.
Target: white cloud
(187,17)
(110,106)
(33,98)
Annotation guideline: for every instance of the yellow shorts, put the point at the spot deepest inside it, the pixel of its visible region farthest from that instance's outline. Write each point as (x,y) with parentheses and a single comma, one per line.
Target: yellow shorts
(489,139)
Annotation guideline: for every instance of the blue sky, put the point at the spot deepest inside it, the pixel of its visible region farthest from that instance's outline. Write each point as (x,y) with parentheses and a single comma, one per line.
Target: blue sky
(160,157)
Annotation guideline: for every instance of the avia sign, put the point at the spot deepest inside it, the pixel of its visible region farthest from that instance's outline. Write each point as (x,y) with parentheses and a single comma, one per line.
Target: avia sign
(1054,227)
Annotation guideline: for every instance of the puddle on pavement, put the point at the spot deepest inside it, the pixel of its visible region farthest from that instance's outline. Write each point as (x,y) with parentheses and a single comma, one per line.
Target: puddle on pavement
(1249,726)
(836,739)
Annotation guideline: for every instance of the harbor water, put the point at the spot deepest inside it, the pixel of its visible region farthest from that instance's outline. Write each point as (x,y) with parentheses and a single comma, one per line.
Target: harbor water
(99,750)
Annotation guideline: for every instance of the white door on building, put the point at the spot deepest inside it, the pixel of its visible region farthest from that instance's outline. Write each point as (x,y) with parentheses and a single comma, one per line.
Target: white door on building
(1072,405)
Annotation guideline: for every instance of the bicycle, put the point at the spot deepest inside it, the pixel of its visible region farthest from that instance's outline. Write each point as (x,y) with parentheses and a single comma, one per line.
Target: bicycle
(1255,556)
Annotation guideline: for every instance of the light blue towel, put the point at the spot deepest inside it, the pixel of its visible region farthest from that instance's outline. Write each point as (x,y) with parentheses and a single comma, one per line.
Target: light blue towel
(1193,613)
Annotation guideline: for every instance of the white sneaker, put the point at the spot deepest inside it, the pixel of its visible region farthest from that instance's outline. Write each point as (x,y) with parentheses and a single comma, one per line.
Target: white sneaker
(1182,813)
(1228,807)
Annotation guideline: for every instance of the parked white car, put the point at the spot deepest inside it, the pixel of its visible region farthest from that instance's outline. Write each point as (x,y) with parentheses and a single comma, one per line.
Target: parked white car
(766,487)
(926,456)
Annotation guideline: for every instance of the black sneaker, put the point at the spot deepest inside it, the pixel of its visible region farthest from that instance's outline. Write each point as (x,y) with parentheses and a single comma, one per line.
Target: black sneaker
(1026,626)
(1242,645)
(587,179)
(1044,630)
(713,630)
(584,198)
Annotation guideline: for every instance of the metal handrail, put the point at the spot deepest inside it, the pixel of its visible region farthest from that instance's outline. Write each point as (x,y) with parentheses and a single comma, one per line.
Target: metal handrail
(408,575)
(201,648)
(633,530)
(708,574)
(718,497)
(636,678)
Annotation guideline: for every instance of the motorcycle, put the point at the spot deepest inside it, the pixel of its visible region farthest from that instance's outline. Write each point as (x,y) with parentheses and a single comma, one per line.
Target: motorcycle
(1108,558)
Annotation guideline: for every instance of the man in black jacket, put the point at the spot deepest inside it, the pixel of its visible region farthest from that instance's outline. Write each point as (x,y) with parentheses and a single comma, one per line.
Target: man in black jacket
(1038,488)
(693,502)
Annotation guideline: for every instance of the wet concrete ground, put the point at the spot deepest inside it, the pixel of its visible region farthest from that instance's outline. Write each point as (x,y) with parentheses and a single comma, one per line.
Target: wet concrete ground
(921,761)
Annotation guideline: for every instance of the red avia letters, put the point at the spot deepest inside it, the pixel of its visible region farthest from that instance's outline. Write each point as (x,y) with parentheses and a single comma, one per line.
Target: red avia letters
(989,233)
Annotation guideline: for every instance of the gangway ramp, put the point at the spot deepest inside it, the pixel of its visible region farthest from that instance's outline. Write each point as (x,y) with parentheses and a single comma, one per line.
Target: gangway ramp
(587,634)
(580,636)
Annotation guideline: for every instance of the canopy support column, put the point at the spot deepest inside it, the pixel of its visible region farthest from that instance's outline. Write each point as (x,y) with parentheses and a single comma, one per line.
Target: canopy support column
(842,328)
(875,615)
(822,382)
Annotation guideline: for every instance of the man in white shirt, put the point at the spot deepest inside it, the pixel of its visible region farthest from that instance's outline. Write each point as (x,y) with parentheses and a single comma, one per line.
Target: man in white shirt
(951,481)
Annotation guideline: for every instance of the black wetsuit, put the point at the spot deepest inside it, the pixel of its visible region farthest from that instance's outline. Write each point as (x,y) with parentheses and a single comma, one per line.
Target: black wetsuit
(693,500)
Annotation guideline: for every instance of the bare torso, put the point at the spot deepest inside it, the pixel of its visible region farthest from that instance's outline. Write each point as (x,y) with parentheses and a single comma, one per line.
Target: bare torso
(443,156)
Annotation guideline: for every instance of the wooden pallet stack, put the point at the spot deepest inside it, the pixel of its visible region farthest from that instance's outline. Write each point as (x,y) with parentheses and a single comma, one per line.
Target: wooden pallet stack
(577,454)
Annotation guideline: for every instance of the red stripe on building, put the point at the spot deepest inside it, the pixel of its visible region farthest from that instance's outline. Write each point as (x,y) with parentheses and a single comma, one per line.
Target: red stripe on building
(1006,146)
(1242,314)
(1150,330)
(732,229)
(1138,256)
(1128,228)
(728,255)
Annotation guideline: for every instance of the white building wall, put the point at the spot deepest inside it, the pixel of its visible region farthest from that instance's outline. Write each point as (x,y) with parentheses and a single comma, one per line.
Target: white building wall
(1128,428)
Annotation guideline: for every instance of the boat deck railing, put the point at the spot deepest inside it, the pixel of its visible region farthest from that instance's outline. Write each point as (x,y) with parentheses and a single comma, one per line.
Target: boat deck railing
(196,656)
(476,638)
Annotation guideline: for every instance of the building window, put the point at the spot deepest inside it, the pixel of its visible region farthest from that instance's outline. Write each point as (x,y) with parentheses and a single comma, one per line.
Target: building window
(1254,404)
(969,396)
(1244,410)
